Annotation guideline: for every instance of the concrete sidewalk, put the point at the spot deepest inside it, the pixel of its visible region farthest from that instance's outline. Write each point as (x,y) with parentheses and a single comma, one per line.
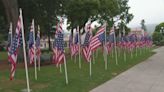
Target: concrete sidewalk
(147,76)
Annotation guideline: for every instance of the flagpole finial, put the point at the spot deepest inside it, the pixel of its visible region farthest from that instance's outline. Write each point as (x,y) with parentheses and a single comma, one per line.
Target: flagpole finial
(10,29)
(20,10)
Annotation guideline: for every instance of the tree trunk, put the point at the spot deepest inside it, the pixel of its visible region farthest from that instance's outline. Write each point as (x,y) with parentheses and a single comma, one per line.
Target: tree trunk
(11,9)
(49,40)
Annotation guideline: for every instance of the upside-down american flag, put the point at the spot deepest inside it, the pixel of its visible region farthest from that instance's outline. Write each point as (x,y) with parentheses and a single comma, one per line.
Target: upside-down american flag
(31,44)
(98,39)
(58,45)
(13,52)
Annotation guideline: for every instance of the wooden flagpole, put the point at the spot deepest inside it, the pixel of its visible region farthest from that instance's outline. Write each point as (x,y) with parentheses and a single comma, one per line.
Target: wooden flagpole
(39,57)
(60,68)
(90,67)
(136,50)
(79,47)
(124,49)
(10,31)
(33,25)
(75,58)
(115,48)
(65,68)
(131,51)
(93,57)
(24,51)
(112,52)
(105,54)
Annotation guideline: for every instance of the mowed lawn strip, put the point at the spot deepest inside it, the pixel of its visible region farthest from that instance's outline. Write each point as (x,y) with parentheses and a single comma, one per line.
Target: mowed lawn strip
(3,55)
(51,80)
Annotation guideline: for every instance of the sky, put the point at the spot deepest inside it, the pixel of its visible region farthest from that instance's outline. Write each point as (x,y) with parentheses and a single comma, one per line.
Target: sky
(150,10)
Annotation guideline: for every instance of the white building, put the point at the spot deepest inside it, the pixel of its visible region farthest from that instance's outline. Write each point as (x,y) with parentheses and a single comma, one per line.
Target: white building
(44,44)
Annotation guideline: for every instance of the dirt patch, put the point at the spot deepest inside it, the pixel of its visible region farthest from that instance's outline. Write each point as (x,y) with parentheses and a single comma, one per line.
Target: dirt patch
(40,86)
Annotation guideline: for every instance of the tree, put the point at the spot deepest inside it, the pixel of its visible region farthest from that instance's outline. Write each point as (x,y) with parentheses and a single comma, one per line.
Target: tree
(78,12)
(44,12)
(11,10)
(113,11)
(159,28)
(158,38)
(158,35)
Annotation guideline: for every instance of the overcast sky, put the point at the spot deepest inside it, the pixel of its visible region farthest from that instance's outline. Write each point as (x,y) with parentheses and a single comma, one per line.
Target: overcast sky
(150,10)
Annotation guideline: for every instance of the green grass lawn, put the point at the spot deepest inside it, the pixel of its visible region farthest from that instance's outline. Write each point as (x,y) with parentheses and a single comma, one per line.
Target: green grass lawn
(51,80)
(3,55)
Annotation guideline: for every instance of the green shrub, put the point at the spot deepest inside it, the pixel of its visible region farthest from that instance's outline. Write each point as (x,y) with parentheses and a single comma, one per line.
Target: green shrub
(158,38)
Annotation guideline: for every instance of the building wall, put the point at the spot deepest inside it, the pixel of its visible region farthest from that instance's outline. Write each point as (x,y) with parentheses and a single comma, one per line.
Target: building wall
(45,45)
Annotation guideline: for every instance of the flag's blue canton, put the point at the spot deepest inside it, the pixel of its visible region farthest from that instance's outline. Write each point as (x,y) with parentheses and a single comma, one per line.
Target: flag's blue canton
(125,39)
(20,40)
(101,37)
(142,38)
(60,42)
(31,41)
(131,38)
(76,39)
(111,38)
(37,41)
(86,41)
(15,44)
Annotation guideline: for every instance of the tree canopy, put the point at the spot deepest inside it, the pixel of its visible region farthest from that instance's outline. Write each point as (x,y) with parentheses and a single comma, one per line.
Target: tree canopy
(78,12)
(158,35)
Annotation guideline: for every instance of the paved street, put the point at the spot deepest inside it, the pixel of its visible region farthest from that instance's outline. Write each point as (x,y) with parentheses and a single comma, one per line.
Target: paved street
(147,76)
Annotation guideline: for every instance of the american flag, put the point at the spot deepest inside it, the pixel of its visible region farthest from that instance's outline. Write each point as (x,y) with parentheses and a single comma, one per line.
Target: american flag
(110,41)
(132,40)
(13,52)
(58,46)
(38,51)
(112,37)
(75,45)
(86,45)
(31,44)
(9,40)
(108,47)
(119,43)
(147,41)
(85,48)
(124,44)
(71,44)
(141,43)
(98,39)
